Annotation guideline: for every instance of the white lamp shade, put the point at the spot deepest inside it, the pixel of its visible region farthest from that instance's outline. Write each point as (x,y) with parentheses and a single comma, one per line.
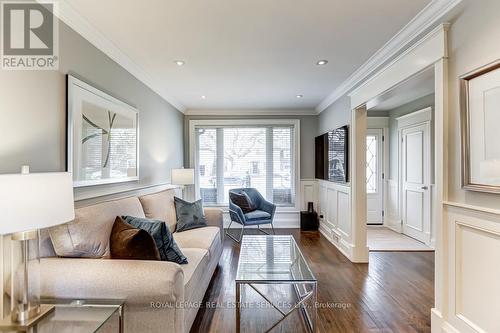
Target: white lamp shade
(182,176)
(35,201)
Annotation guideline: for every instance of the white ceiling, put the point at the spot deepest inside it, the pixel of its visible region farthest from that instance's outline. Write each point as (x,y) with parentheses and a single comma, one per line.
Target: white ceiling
(244,54)
(415,87)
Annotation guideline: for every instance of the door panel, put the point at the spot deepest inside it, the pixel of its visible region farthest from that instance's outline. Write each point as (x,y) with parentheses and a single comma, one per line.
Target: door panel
(415,160)
(374,182)
(416,168)
(414,215)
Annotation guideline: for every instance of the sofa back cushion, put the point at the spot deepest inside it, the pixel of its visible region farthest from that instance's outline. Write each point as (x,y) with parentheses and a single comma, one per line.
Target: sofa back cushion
(160,206)
(88,234)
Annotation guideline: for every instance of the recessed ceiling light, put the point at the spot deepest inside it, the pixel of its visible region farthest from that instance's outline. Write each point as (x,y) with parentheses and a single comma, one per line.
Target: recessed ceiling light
(180,62)
(300,96)
(203,97)
(322,62)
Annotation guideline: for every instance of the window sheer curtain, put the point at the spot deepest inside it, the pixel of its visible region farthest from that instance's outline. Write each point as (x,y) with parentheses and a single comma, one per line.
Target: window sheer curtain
(260,156)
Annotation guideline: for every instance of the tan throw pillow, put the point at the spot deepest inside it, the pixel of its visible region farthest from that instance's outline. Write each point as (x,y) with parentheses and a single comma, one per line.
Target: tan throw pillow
(88,235)
(127,242)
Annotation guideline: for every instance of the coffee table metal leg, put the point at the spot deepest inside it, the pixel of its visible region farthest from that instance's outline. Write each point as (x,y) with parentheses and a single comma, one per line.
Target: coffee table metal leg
(314,309)
(238,307)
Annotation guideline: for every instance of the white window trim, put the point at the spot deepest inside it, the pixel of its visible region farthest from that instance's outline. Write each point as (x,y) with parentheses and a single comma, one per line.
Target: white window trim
(251,122)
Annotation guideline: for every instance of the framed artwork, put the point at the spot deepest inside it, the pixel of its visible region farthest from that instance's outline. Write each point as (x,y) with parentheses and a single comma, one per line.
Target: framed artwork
(480,119)
(338,155)
(102,136)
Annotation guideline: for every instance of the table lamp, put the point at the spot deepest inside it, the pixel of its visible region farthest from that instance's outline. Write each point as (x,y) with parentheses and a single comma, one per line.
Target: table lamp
(182,177)
(29,202)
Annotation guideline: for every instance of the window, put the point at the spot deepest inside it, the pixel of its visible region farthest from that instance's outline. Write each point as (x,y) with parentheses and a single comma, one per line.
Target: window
(260,156)
(371,164)
(255,168)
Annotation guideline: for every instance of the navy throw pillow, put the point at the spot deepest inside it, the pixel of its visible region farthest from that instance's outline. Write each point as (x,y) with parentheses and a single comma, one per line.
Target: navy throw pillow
(190,215)
(169,251)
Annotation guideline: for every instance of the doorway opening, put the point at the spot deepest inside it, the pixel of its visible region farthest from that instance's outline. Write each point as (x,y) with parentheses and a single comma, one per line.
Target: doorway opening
(400,167)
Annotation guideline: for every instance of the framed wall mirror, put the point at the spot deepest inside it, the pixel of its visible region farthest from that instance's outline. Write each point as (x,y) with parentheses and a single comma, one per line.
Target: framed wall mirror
(480,122)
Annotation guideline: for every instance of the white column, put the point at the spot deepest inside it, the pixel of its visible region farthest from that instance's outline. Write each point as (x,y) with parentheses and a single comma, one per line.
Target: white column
(357,162)
(441,178)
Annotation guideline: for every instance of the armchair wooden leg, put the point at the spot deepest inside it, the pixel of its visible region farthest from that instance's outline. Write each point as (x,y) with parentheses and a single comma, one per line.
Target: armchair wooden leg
(231,236)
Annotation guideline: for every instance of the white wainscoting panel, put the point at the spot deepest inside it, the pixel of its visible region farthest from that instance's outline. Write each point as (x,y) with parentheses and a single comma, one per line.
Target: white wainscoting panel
(308,193)
(335,215)
(474,269)
(343,213)
(393,217)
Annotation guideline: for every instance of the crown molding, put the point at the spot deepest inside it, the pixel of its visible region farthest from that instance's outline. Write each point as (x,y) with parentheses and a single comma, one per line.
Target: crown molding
(439,33)
(78,23)
(250,112)
(423,21)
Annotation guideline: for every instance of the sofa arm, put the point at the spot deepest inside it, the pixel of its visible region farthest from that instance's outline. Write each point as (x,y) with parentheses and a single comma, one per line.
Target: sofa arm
(136,281)
(214,218)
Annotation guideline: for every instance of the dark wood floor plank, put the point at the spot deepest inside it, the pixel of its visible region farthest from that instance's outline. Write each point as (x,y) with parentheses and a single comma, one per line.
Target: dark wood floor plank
(394,293)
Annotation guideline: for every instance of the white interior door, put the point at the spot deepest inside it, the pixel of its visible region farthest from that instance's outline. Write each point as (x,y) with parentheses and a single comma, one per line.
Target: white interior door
(416,178)
(374,176)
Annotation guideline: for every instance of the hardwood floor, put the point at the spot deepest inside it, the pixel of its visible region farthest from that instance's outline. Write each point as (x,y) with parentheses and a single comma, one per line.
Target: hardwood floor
(394,293)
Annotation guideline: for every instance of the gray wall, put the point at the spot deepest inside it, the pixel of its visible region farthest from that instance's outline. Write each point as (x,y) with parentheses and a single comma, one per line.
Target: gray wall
(308,129)
(473,42)
(336,115)
(33,115)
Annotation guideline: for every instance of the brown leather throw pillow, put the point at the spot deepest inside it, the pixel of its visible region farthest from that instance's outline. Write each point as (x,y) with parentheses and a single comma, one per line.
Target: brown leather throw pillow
(127,242)
(243,201)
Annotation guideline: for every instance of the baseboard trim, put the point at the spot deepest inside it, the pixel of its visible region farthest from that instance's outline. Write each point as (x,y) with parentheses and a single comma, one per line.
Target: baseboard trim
(439,324)
(335,243)
(394,227)
(353,253)
(360,254)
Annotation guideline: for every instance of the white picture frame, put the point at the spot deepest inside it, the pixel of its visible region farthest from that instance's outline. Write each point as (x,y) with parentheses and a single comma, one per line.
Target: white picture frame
(102,136)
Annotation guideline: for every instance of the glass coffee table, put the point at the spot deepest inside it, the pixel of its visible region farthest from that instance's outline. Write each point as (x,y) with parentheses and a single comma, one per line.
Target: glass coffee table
(75,316)
(276,260)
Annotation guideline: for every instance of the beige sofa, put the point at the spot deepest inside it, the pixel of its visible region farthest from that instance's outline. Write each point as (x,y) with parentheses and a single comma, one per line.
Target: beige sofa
(160,296)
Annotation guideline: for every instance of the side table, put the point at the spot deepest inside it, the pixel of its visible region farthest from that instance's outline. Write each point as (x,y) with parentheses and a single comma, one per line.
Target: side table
(72,316)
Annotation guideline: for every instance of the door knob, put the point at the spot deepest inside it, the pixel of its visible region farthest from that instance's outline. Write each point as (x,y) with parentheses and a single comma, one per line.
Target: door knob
(424,188)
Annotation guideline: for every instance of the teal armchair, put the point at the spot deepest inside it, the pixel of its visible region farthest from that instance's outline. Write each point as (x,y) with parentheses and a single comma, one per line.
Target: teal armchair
(264,214)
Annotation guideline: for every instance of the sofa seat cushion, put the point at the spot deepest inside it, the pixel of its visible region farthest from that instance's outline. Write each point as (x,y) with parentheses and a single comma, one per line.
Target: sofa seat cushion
(257,215)
(194,270)
(207,238)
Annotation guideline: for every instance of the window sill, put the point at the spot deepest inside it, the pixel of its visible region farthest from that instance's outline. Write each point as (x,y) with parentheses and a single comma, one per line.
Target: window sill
(279,209)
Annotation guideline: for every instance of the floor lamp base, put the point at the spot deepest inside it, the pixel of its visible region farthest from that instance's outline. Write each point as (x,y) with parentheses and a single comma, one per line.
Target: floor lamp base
(9,323)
